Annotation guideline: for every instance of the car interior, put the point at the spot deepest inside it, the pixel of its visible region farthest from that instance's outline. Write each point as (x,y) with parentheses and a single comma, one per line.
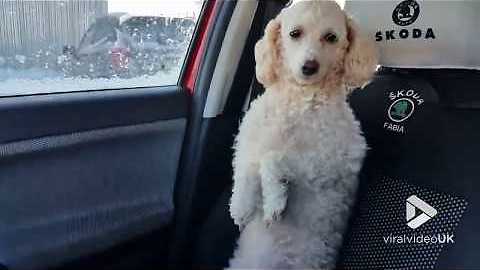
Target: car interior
(137,178)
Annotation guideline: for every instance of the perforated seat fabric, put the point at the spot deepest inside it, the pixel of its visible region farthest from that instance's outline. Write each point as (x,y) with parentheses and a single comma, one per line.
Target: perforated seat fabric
(423,138)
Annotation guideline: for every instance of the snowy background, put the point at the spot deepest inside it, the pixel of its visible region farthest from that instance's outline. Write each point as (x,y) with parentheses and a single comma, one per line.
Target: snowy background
(36,81)
(146,57)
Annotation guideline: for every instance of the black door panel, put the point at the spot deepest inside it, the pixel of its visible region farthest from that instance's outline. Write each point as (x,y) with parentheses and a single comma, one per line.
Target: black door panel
(28,117)
(81,172)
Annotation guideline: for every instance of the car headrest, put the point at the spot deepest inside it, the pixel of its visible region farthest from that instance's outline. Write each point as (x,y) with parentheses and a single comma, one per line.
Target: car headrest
(422,34)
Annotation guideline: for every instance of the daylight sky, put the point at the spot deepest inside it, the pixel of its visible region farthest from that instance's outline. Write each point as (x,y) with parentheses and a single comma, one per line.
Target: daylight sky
(170,8)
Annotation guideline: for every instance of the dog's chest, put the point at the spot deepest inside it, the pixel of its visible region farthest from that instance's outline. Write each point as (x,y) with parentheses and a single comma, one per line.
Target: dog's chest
(322,142)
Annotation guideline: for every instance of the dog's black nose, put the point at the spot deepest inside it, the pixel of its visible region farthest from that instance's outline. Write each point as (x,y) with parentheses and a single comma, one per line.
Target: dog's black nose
(310,67)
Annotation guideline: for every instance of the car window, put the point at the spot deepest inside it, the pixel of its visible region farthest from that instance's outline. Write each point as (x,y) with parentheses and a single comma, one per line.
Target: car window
(63,46)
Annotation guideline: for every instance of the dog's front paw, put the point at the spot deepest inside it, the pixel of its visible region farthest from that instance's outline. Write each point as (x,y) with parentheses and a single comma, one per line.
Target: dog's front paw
(242,221)
(273,209)
(241,215)
(270,218)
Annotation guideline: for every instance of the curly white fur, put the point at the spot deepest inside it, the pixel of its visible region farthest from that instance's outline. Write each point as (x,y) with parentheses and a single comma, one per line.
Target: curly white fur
(299,147)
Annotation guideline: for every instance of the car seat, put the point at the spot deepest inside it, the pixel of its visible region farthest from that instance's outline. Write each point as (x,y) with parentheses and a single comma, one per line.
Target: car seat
(418,116)
(418,205)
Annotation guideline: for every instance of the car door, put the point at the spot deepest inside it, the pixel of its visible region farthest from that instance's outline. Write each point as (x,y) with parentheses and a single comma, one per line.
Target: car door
(90,143)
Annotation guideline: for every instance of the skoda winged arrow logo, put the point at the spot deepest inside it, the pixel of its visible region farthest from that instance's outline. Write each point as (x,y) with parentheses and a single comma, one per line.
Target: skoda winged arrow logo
(427,212)
(406,13)
(401,110)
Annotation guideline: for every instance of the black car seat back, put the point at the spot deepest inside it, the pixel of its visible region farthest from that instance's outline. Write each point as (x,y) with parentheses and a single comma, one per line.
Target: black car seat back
(418,206)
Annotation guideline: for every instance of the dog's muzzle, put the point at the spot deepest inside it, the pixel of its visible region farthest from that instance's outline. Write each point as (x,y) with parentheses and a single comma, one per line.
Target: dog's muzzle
(310,67)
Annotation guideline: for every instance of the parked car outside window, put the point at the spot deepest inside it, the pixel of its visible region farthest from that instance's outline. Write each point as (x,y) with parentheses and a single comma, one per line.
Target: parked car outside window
(52,46)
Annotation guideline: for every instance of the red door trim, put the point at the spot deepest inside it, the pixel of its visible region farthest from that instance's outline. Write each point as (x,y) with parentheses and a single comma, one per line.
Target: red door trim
(199,47)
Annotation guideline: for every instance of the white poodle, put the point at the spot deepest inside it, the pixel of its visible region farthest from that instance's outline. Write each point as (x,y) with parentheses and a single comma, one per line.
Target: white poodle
(300,147)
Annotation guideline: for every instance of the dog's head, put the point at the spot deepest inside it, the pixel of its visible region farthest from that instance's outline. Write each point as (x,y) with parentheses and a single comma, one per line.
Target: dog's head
(313,42)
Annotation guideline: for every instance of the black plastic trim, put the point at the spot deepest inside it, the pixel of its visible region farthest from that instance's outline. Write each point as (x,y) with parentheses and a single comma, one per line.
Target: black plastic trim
(194,146)
(37,116)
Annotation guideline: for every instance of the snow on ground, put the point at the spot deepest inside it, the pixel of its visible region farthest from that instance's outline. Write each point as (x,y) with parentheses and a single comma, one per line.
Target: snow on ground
(35,81)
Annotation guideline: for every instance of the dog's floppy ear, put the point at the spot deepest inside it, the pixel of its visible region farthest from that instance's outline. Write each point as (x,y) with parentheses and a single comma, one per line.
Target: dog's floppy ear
(267,54)
(361,58)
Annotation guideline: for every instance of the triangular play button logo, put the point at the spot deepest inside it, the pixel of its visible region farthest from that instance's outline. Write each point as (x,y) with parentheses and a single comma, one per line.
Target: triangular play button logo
(426,212)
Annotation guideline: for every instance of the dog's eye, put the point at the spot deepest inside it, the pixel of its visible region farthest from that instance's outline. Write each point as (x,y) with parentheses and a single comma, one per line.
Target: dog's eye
(296,33)
(330,37)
